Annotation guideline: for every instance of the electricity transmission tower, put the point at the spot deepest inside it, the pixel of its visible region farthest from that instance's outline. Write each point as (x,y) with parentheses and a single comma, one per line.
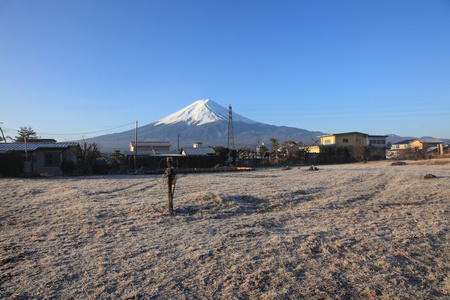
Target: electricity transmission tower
(230,138)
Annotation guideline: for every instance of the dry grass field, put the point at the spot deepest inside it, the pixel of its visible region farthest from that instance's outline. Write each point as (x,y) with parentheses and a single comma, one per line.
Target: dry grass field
(345,231)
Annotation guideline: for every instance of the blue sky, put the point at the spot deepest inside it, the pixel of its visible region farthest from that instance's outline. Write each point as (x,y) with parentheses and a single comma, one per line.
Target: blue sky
(74,69)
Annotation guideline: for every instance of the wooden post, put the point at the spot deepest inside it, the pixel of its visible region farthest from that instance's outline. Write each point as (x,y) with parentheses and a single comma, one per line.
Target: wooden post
(171,180)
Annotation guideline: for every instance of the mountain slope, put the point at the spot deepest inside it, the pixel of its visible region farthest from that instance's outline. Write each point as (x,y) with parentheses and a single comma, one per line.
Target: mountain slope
(204,121)
(202,112)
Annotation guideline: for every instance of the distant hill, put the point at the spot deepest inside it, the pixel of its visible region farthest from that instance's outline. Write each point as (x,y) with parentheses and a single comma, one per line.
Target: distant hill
(204,121)
(207,122)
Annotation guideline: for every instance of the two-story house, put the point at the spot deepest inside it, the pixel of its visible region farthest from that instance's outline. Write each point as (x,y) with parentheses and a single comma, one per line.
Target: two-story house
(344,139)
(431,146)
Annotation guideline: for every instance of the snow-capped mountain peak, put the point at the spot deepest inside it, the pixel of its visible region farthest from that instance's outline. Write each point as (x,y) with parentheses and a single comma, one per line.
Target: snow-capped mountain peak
(202,112)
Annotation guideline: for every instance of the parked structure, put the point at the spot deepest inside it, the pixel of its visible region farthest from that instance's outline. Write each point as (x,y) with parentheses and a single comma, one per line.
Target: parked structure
(41,158)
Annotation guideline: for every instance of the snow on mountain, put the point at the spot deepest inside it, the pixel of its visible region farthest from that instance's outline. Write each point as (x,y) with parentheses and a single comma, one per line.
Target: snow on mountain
(202,112)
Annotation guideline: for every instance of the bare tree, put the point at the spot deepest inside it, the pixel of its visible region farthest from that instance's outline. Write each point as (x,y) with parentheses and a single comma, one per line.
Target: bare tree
(274,143)
(359,152)
(87,155)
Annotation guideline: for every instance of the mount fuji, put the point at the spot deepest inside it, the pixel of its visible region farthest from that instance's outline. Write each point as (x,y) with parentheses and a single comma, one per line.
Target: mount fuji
(207,122)
(202,112)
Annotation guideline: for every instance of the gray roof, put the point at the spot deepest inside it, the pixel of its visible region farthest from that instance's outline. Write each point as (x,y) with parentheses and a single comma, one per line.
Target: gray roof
(353,132)
(34,146)
(429,141)
(199,151)
(402,142)
(151,144)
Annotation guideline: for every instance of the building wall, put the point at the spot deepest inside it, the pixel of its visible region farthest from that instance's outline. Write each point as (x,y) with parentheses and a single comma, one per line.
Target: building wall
(311,149)
(150,149)
(400,146)
(328,140)
(416,145)
(38,162)
(377,141)
(146,148)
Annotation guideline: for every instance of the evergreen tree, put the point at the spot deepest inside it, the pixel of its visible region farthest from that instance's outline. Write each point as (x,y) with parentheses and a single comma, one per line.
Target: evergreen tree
(26,132)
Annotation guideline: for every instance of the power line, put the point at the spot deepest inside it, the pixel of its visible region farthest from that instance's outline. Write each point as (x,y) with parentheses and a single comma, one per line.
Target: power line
(80,133)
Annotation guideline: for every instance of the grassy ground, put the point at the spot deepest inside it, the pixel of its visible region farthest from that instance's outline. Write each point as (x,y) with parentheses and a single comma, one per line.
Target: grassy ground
(344,231)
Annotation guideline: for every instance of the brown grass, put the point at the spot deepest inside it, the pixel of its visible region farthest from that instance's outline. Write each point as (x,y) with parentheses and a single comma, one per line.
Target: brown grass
(346,231)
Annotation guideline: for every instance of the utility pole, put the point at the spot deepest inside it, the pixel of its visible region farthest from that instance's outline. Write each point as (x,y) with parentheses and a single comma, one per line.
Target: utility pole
(26,154)
(230,137)
(135,146)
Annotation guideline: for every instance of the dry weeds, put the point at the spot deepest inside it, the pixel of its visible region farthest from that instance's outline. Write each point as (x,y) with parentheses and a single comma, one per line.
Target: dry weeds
(346,231)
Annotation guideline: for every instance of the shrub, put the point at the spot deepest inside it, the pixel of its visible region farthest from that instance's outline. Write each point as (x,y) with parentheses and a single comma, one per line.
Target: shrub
(11,164)
(67,167)
(87,156)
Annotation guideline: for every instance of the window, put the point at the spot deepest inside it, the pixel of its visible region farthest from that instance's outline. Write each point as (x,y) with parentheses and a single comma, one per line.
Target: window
(52,159)
(327,142)
(345,140)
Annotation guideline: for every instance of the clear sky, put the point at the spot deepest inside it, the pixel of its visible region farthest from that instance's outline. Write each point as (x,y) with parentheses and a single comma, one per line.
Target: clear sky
(74,69)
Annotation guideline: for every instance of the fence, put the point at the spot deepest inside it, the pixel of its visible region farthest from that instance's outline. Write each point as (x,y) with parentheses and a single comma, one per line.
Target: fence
(179,162)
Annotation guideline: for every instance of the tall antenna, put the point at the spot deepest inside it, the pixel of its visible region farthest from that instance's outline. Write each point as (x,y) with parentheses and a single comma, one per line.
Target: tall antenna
(230,138)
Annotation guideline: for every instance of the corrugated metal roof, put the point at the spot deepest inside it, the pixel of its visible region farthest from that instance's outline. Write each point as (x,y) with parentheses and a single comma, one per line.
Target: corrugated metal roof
(199,151)
(34,146)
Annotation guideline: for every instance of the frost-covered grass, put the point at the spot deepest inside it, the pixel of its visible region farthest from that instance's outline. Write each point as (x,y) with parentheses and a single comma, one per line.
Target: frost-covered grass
(345,231)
